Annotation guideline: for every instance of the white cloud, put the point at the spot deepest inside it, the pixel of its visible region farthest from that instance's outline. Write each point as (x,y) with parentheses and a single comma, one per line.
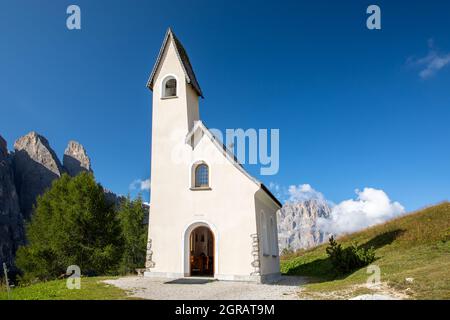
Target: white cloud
(372,206)
(432,62)
(143,185)
(303,192)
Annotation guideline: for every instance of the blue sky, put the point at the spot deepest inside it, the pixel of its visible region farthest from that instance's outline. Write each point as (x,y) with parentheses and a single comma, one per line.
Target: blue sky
(356,108)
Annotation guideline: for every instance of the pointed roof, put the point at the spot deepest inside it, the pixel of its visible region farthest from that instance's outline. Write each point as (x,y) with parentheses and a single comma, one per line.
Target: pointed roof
(184,59)
(199,125)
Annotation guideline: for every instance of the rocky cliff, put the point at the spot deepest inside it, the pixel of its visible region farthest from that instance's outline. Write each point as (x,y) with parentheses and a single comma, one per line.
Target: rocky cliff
(35,167)
(297,224)
(11,220)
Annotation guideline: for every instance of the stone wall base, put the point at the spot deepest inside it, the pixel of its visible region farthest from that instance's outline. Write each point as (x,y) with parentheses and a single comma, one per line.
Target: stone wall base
(265,278)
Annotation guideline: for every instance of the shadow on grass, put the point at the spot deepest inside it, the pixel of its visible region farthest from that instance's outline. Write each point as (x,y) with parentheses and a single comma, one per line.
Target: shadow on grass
(321,270)
(383,239)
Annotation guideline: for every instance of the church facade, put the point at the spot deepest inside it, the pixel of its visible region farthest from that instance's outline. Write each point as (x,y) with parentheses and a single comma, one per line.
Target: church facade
(208,217)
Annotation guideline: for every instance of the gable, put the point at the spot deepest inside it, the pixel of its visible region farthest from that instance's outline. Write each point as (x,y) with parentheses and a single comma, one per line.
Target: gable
(200,128)
(184,61)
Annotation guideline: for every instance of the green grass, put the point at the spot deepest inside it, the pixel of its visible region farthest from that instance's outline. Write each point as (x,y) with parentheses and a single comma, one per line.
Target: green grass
(91,289)
(414,246)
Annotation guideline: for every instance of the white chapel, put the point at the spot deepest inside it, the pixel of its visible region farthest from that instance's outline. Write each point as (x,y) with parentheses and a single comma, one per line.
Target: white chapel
(208,217)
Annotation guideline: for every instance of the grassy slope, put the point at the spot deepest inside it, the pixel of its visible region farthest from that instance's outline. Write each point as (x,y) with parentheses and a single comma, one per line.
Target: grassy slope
(414,246)
(91,289)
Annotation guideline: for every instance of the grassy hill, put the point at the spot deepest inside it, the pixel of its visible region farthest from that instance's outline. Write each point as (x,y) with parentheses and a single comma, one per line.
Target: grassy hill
(413,253)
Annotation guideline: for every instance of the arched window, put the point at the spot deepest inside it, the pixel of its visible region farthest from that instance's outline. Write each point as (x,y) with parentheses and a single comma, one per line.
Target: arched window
(201,177)
(169,87)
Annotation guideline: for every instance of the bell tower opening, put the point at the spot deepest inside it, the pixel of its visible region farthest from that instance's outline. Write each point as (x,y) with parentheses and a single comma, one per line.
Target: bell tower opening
(201,251)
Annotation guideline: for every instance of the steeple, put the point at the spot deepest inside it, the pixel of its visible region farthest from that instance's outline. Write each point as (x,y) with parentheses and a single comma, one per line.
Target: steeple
(184,60)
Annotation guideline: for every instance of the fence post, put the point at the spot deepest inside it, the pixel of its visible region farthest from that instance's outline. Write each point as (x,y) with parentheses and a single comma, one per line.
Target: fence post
(6,279)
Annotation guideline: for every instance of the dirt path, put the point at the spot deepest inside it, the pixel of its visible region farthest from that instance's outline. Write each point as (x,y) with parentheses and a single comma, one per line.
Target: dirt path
(375,292)
(203,289)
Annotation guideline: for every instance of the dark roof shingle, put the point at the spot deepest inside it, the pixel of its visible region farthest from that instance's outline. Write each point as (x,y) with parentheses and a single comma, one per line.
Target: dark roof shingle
(185,62)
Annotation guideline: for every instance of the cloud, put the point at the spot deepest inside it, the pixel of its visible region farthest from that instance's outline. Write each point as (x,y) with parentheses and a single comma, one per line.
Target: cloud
(431,63)
(143,185)
(296,193)
(303,192)
(372,206)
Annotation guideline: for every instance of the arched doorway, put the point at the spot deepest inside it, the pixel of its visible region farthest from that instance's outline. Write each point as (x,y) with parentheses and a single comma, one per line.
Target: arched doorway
(201,252)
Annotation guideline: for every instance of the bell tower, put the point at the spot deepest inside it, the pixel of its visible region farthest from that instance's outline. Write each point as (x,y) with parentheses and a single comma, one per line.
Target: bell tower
(175,108)
(175,90)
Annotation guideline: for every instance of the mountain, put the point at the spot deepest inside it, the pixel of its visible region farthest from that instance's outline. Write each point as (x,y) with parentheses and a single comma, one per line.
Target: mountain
(75,159)
(26,174)
(11,219)
(297,224)
(412,255)
(35,167)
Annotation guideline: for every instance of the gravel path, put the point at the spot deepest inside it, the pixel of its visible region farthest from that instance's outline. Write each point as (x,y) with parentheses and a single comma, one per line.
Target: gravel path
(204,289)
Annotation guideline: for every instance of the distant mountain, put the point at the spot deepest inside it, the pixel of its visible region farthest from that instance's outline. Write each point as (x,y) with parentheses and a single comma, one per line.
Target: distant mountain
(297,224)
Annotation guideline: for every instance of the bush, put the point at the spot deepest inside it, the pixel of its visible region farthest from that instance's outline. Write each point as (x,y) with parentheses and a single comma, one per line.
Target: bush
(73,224)
(350,258)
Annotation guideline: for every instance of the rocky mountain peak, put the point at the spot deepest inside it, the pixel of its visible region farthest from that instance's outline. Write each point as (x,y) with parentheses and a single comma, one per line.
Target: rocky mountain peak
(36,166)
(297,224)
(76,159)
(34,147)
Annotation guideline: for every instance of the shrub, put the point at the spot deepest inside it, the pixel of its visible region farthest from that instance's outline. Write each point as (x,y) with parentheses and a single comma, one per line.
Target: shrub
(350,258)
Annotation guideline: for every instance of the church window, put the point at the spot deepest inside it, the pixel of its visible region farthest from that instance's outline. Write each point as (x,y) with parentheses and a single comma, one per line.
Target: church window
(169,87)
(201,176)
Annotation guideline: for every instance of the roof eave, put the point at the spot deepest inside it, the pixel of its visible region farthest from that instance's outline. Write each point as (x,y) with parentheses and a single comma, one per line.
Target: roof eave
(270,194)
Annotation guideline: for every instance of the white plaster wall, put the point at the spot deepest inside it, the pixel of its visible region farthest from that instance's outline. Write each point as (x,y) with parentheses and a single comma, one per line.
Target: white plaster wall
(269,263)
(228,208)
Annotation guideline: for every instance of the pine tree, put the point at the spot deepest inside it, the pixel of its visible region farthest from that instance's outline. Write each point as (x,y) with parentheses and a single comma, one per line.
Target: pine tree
(72,225)
(134,233)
